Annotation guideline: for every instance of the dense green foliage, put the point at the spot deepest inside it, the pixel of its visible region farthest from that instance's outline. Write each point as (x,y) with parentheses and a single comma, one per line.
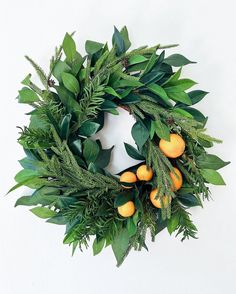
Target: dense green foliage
(66,167)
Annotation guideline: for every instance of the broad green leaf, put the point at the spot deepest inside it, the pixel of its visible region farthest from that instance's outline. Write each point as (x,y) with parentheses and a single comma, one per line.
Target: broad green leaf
(58,219)
(131,99)
(161,129)
(212,176)
(69,47)
(125,35)
(140,134)
(111,91)
(173,223)
(196,114)
(177,60)
(179,85)
(88,129)
(122,198)
(59,68)
(26,80)
(150,64)
(33,164)
(182,112)
(118,42)
(70,82)
(43,212)
(120,245)
(103,158)
(158,90)
(152,77)
(25,174)
(108,105)
(133,153)
(134,59)
(131,227)
(174,77)
(180,96)
(98,245)
(128,83)
(189,200)
(92,47)
(68,100)
(65,126)
(197,96)
(210,161)
(27,95)
(90,150)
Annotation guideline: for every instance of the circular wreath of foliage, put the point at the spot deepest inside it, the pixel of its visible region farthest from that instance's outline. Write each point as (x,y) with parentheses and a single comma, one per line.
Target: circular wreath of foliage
(66,167)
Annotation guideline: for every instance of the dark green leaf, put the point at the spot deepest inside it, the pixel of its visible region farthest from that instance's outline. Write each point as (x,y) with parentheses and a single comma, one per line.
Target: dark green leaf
(196,114)
(65,126)
(118,42)
(140,134)
(131,99)
(177,60)
(120,245)
(197,96)
(27,95)
(212,176)
(59,68)
(125,36)
(133,153)
(103,158)
(88,129)
(210,161)
(131,226)
(158,90)
(90,150)
(161,129)
(189,200)
(122,198)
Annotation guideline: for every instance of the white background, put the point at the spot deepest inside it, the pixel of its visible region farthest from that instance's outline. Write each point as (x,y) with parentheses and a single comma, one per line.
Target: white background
(32,256)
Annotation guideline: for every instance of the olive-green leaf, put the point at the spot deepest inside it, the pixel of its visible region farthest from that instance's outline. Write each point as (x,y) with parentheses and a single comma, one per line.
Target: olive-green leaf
(70,82)
(27,95)
(92,47)
(158,90)
(88,129)
(161,129)
(179,85)
(210,161)
(212,176)
(189,200)
(177,60)
(90,150)
(134,59)
(98,245)
(125,35)
(43,212)
(173,223)
(180,97)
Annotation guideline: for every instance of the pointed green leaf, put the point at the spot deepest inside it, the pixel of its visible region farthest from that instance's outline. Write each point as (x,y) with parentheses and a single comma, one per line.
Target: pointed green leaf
(98,245)
(90,150)
(210,161)
(69,47)
(158,90)
(177,60)
(212,176)
(120,245)
(180,97)
(140,134)
(43,212)
(134,59)
(27,95)
(161,129)
(133,153)
(59,68)
(70,82)
(92,47)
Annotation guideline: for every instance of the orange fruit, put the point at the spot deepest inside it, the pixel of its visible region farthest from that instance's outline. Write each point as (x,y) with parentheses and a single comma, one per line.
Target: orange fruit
(158,202)
(144,173)
(177,179)
(128,177)
(127,209)
(173,148)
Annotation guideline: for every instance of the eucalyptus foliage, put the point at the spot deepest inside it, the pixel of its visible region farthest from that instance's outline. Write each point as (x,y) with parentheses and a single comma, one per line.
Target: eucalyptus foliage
(66,167)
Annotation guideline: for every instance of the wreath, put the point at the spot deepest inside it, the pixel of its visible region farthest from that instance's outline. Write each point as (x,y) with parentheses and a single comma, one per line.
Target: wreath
(66,166)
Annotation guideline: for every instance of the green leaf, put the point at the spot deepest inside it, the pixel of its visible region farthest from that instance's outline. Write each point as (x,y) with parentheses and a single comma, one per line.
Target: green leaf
(189,200)
(59,68)
(182,112)
(134,59)
(150,64)
(118,42)
(92,47)
(27,95)
(107,105)
(122,198)
(68,100)
(43,212)
(70,82)
(173,223)
(125,36)
(98,245)
(161,129)
(90,150)
(131,99)
(57,220)
(179,85)
(103,158)
(152,77)
(26,80)
(111,91)
(25,174)
(212,176)
(177,60)
(131,226)
(133,153)
(197,96)
(210,161)
(128,83)
(174,77)
(158,90)
(88,129)
(120,245)
(196,114)
(140,134)
(65,127)
(69,47)
(180,96)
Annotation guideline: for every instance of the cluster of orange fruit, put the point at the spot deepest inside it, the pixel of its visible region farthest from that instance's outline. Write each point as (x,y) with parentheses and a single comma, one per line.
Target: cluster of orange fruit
(172,149)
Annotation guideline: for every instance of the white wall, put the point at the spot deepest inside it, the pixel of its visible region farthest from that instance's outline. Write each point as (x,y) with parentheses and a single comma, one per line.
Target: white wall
(32,256)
